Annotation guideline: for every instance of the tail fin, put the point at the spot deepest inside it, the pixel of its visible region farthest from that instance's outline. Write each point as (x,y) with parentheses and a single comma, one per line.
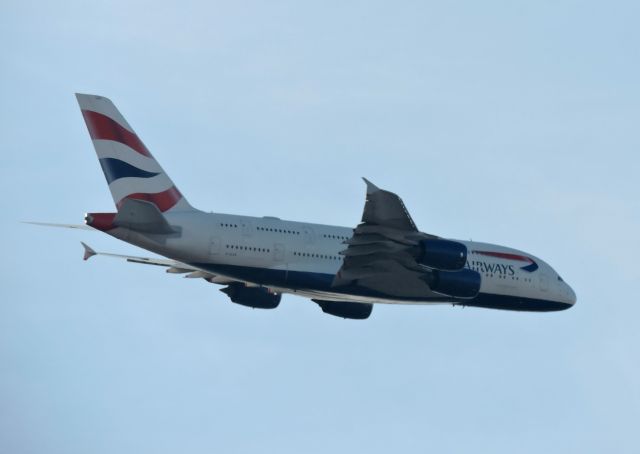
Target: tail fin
(130,170)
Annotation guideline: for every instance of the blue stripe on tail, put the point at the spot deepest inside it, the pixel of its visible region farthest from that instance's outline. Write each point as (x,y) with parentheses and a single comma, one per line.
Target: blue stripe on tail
(115,169)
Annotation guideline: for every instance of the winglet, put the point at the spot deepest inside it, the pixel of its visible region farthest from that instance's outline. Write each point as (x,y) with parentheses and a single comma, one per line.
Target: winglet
(88,252)
(371,188)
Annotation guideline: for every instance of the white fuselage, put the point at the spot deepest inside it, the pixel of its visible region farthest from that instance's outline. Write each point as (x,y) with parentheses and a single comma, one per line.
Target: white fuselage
(302,258)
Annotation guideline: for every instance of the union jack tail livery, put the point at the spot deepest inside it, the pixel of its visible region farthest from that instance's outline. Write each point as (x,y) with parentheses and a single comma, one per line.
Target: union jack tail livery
(130,169)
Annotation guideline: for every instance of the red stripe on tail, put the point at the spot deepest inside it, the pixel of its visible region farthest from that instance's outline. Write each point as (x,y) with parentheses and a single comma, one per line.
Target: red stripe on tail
(163,200)
(102,127)
(100,221)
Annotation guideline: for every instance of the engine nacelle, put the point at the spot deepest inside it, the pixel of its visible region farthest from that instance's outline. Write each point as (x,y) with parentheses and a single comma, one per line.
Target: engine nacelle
(442,254)
(256,297)
(356,311)
(460,284)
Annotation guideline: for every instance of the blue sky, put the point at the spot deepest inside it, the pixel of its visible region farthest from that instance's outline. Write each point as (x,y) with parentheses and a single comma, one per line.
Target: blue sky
(506,122)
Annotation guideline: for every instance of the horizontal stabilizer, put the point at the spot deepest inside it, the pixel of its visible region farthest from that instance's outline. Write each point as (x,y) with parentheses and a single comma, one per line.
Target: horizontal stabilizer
(142,216)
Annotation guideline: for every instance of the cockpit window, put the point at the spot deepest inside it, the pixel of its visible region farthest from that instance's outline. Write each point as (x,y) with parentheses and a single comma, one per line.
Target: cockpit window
(560,279)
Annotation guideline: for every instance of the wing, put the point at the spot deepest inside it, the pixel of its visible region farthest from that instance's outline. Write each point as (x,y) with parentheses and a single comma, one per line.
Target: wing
(65,226)
(173,266)
(381,253)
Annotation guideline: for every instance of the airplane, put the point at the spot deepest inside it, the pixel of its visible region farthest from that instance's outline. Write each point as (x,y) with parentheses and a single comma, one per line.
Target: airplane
(383,260)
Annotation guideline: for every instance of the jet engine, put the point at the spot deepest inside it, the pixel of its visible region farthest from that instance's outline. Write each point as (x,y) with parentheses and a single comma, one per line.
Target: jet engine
(460,284)
(442,254)
(356,311)
(256,297)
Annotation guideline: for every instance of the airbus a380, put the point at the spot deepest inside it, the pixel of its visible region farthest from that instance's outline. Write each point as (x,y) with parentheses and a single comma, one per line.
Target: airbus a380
(384,259)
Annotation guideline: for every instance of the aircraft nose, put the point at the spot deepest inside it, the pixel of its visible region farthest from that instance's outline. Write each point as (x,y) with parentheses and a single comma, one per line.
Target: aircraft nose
(571,295)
